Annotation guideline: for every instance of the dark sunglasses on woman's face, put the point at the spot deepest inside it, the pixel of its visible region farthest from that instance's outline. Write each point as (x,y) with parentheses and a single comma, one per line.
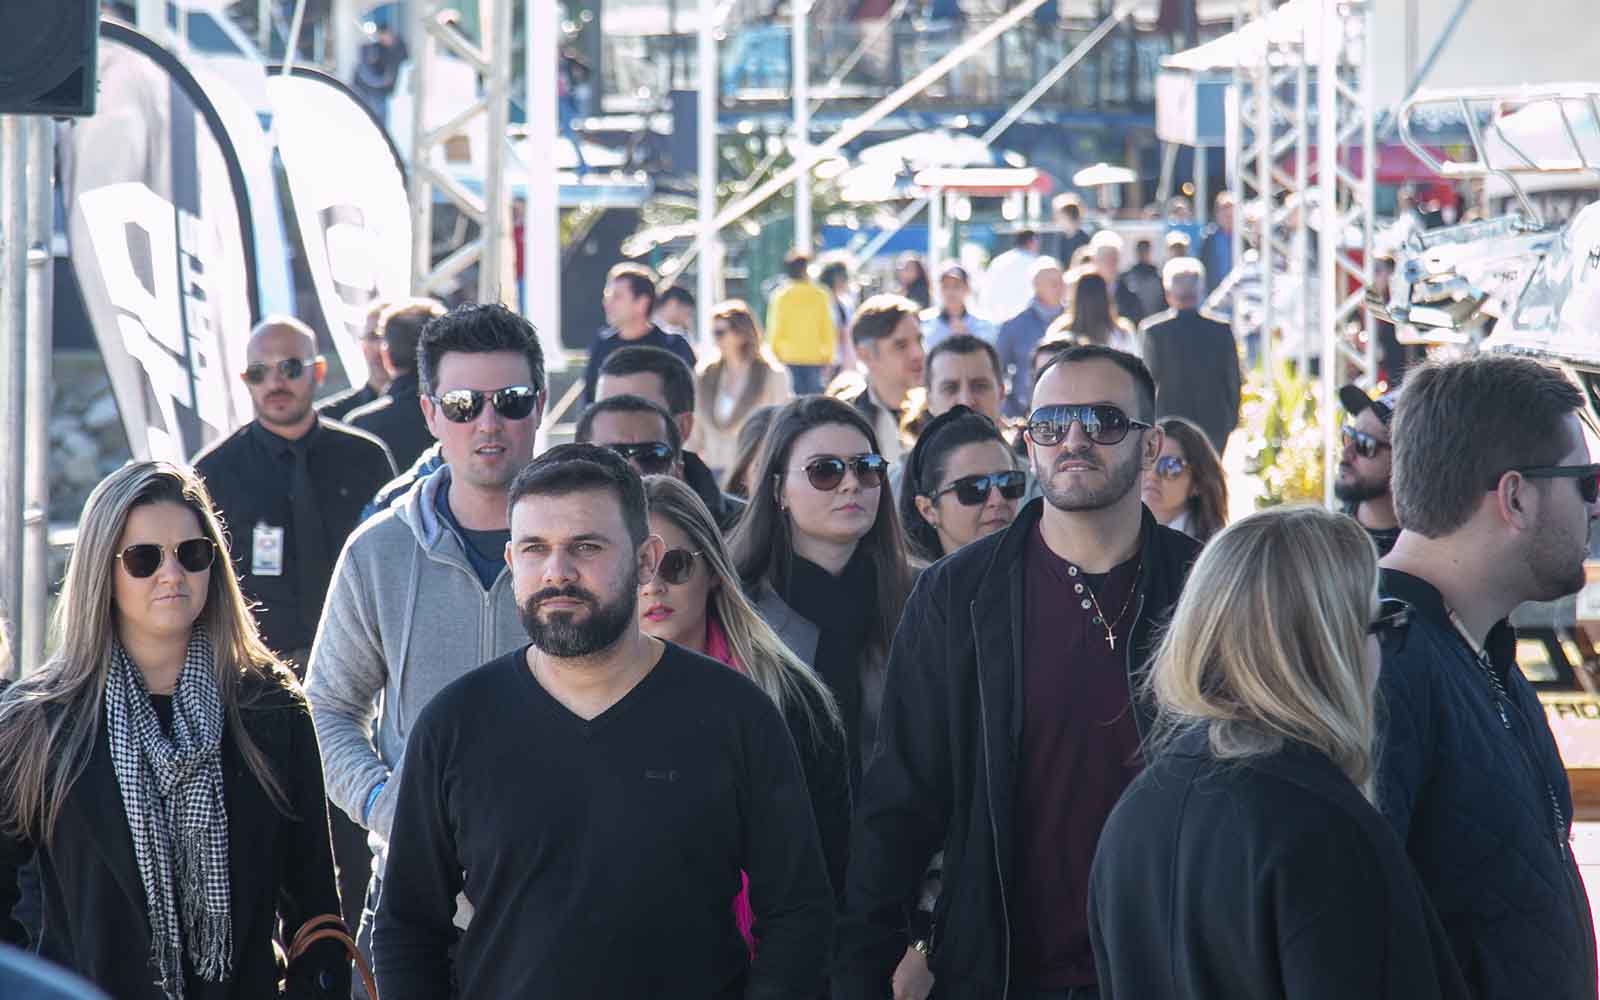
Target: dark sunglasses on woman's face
(195,555)
(1588,477)
(653,458)
(1170,467)
(1364,444)
(722,331)
(971,491)
(289,368)
(1103,423)
(826,472)
(462,406)
(677,565)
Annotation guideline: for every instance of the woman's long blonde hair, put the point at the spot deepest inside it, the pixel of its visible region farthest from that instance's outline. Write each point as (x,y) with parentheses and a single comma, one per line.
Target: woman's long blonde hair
(1268,642)
(766,660)
(49,721)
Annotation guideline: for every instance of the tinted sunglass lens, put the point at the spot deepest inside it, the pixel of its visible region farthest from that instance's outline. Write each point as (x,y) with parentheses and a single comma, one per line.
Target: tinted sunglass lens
(1589,487)
(869,471)
(1106,425)
(676,566)
(1013,485)
(972,491)
(515,403)
(655,459)
(141,560)
(255,374)
(461,406)
(291,368)
(196,554)
(825,474)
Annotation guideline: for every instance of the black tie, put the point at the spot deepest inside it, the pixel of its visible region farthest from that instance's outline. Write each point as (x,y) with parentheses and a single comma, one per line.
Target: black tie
(312,566)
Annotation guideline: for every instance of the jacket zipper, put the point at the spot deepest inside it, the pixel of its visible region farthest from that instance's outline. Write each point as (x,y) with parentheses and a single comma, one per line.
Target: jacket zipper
(1127,657)
(994,826)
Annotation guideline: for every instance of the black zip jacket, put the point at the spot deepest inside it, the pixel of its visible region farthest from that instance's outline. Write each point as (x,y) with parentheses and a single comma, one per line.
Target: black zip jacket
(944,773)
(1470,778)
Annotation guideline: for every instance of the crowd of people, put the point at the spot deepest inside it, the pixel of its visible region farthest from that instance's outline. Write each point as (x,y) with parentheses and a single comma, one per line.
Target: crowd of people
(940,672)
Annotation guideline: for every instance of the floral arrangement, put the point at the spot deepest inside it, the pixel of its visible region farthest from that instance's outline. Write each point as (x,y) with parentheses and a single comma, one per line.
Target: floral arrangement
(1280,415)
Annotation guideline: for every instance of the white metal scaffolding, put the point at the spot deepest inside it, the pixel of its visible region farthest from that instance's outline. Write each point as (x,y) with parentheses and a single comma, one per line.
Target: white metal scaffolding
(434,24)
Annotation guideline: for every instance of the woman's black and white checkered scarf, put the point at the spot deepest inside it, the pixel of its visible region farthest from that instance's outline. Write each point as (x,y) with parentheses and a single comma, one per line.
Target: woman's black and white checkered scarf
(172,792)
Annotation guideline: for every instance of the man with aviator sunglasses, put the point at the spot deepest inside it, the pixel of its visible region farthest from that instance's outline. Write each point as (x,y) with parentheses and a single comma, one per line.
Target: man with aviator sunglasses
(1364,465)
(1009,725)
(638,430)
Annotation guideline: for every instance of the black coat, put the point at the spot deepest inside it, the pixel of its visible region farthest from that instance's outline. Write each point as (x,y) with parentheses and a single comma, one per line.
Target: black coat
(1195,363)
(95,919)
(341,405)
(726,509)
(1482,803)
(249,484)
(396,419)
(946,763)
(1259,879)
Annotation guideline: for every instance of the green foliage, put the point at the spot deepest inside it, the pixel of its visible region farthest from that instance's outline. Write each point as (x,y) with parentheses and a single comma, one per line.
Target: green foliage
(1281,415)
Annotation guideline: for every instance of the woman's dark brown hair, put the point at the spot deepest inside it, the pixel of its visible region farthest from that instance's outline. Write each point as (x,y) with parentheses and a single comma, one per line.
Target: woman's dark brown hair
(1208,504)
(748,448)
(763,541)
(1093,315)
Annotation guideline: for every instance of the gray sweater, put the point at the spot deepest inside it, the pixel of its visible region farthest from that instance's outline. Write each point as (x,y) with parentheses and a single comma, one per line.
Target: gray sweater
(406,615)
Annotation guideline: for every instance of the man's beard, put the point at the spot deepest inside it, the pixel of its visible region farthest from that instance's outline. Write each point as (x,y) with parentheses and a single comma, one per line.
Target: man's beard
(1556,563)
(563,636)
(1359,490)
(1120,481)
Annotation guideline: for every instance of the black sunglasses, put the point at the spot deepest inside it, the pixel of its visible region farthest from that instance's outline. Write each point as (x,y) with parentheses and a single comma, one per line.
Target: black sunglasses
(1170,467)
(1588,477)
(653,458)
(289,368)
(677,565)
(971,491)
(1364,444)
(826,472)
(462,406)
(1392,614)
(1105,424)
(195,555)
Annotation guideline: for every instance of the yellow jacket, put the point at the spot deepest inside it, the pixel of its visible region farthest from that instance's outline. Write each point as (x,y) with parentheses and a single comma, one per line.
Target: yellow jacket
(800,324)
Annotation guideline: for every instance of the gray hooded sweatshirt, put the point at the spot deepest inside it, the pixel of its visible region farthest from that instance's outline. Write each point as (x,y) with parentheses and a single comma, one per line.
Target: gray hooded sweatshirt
(406,615)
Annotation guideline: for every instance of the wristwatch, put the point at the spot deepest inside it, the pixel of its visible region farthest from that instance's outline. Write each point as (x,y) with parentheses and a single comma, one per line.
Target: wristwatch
(920,946)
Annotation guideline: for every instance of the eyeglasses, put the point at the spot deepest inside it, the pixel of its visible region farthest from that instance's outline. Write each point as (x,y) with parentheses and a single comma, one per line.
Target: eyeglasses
(1170,467)
(971,491)
(195,555)
(677,565)
(653,458)
(1588,477)
(289,368)
(1364,444)
(1392,615)
(462,406)
(1105,424)
(826,472)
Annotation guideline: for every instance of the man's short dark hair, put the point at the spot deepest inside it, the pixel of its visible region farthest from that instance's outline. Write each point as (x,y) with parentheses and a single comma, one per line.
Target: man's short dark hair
(1143,246)
(584,433)
(676,293)
(1027,237)
(1461,425)
(833,272)
(401,324)
(638,278)
(795,264)
(677,380)
(574,468)
(878,317)
(477,329)
(961,343)
(1130,363)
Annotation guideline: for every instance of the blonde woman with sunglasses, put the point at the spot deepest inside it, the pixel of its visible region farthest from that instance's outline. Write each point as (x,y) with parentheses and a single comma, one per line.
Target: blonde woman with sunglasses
(1247,860)
(163,767)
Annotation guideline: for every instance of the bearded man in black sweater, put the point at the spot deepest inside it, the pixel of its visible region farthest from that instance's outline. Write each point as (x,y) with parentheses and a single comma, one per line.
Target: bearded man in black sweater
(597,794)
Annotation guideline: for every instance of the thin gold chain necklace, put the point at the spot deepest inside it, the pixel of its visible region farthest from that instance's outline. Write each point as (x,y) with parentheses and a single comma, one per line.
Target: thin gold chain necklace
(1089,600)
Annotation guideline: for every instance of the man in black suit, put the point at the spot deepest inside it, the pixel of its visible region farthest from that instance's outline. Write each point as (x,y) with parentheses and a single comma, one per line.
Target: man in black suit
(1193,356)
(395,418)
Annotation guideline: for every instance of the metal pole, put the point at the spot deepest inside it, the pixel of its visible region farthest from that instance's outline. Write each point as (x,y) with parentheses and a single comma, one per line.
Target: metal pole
(1236,168)
(150,17)
(36,448)
(1263,89)
(496,38)
(423,47)
(291,47)
(936,208)
(1328,245)
(1202,187)
(1302,249)
(1369,174)
(541,236)
(801,92)
(13,366)
(706,155)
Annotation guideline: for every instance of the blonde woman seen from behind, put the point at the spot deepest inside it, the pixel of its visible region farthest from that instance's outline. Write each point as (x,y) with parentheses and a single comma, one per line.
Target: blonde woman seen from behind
(742,378)
(1247,860)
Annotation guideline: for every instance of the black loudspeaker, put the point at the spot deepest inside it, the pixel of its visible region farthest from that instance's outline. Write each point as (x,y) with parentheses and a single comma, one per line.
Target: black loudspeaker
(47,57)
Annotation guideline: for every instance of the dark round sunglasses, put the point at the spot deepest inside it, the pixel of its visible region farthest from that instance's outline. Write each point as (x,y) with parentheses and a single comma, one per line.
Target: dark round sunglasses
(1364,444)
(971,491)
(1588,477)
(1170,467)
(1103,423)
(826,472)
(651,458)
(462,406)
(141,561)
(677,565)
(289,368)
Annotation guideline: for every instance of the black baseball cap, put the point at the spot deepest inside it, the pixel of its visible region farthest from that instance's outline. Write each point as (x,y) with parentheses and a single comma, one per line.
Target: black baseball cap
(1355,400)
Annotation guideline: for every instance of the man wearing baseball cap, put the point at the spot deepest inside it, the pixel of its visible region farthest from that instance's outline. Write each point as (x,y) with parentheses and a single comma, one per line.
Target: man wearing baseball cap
(952,317)
(1363,483)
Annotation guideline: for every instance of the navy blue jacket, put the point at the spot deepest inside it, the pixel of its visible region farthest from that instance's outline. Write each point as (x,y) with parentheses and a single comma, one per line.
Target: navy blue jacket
(1471,780)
